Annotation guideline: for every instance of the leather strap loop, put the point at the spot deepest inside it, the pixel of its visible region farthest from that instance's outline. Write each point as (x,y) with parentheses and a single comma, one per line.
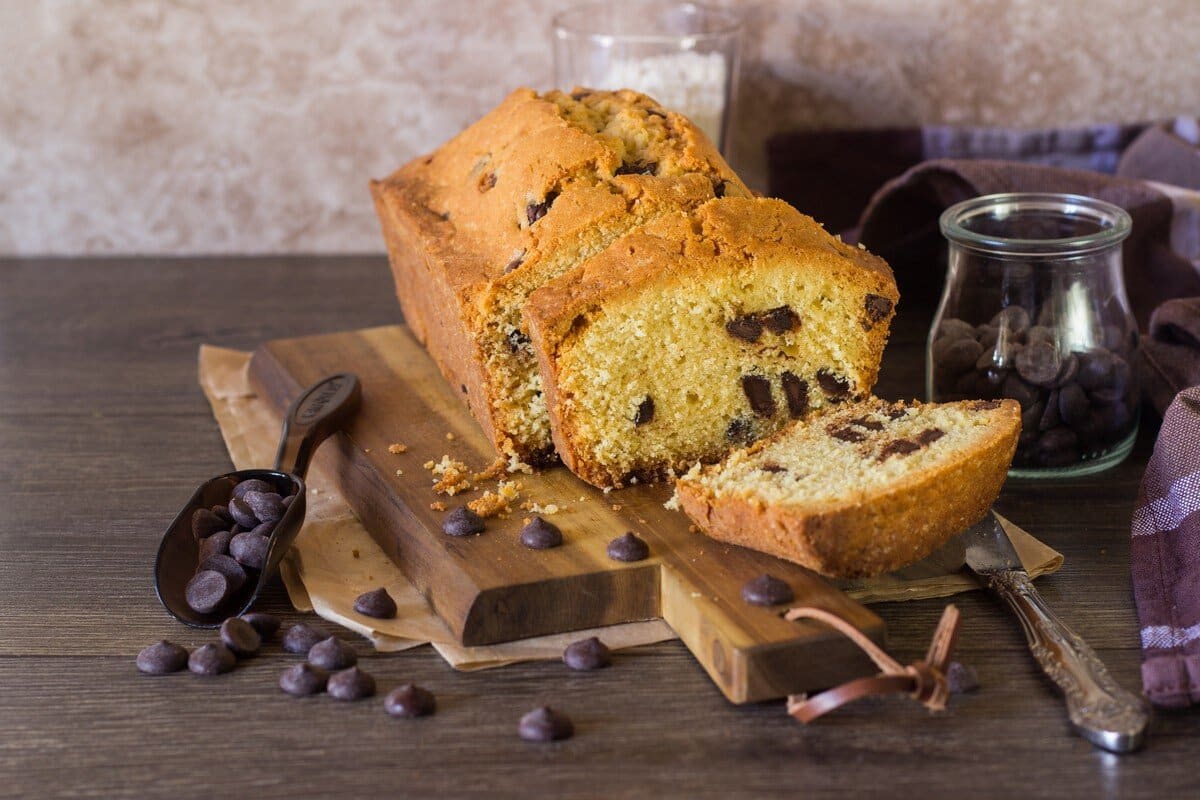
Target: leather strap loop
(924,681)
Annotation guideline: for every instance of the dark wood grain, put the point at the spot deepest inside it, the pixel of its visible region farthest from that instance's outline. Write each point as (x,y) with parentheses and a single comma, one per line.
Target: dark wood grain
(105,432)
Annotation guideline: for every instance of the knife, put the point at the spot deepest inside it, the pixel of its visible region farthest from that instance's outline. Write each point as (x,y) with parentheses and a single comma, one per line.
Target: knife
(1100,710)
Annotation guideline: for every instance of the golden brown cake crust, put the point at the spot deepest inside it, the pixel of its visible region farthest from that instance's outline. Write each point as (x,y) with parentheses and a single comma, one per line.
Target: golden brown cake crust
(863,536)
(506,192)
(723,234)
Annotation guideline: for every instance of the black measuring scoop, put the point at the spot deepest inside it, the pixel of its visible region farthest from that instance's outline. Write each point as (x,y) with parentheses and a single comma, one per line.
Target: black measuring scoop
(322,409)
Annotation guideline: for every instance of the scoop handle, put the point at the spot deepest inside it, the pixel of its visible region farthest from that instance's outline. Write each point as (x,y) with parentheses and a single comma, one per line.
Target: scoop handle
(320,410)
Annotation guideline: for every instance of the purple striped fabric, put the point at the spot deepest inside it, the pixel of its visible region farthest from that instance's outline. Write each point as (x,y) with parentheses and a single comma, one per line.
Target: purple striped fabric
(1165,558)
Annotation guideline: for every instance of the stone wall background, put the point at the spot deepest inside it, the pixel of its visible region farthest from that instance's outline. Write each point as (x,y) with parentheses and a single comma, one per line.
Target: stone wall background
(226,126)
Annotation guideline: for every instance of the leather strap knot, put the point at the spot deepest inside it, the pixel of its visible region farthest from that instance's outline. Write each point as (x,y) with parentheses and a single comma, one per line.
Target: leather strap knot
(924,680)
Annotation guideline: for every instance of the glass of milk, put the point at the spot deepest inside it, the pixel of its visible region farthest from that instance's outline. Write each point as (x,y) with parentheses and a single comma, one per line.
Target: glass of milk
(685,55)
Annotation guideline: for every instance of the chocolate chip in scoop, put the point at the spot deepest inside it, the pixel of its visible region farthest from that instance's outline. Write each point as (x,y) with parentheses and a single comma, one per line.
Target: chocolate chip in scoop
(206,591)
(250,549)
(205,523)
(376,603)
(227,566)
(161,658)
(545,725)
(240,637)
(767,590)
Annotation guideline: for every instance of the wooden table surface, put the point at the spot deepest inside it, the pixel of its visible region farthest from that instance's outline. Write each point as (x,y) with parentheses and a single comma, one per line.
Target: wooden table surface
(105,433)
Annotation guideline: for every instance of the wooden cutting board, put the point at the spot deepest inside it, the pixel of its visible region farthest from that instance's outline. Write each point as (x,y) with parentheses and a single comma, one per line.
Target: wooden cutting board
(489,588)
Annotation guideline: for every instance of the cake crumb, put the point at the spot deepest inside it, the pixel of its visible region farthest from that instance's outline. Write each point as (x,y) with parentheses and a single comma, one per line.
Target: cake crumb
(693,529)
(672,503)
(493,470)
(399,472)
(449,437)
(437,505)
(396,448)
(354,552)
(616,506)
(367,450)
(517,465)
(546,510)
(582,498)
(497,502)
(453,476)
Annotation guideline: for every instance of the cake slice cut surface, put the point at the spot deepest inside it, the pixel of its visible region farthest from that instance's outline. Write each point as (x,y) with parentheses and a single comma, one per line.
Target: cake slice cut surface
(864,489)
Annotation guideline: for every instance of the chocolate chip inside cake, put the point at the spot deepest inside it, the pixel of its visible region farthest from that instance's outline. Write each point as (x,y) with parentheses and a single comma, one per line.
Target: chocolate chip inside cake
(862,489)
(701,331)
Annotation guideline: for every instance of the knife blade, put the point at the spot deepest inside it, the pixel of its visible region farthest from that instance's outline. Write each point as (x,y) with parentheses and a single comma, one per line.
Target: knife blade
(1100,710)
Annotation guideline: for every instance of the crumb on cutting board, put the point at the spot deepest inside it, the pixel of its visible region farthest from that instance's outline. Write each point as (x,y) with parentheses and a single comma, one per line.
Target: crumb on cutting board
(493,503)
(437,505)
(491,471)
(396,448)
(452,476)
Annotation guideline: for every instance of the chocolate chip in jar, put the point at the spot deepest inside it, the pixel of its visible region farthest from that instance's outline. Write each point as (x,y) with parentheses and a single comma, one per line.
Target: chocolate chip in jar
(1058,447)
(1074,408)
(1012,319)
(956,355)
(952,328)
(1039,363)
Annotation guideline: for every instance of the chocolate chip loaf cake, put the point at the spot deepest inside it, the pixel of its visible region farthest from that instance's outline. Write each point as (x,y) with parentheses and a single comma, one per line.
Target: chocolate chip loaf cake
(863,489)
(524,195)
(704,330)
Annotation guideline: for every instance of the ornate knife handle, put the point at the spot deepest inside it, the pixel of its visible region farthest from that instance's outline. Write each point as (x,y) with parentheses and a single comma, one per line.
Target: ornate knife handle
(1101,711)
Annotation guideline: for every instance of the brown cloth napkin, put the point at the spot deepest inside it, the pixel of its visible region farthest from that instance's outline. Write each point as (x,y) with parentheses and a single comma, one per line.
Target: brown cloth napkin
(1165,555)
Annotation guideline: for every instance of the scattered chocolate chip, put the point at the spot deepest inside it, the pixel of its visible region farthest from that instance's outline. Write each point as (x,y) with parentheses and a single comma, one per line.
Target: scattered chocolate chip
(251,485)
(242,513)
(215,545)
(795,391)
(409,702)
(898,447)
(161,658)
(781,320)
(834,386)
(300,638)
(267,625)
(240,637)
(205,523)
(266,506)
(628,547)
(331,654)
(517,259)
(587,654)
(206,591)
(462,521)
(758,392)
(250,549)
(303,679)
(739,431)
(541,535)
(350,684)
(955,354)
(929,436)
(748,328)
(645,411)
(878,307)
(847,434)
(212,659)
(545,725)
(535,211)
(960,678)
(767,590)
(376,603)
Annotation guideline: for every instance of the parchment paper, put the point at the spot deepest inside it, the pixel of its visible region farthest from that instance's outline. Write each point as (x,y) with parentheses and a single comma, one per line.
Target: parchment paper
(334,559)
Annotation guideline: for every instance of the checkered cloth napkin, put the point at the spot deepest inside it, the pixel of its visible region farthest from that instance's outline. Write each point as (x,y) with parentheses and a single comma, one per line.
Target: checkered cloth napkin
(1165,556)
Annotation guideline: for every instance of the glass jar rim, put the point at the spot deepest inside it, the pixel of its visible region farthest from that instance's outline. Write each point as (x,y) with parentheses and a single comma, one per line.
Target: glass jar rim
(729,22)
(1114,222)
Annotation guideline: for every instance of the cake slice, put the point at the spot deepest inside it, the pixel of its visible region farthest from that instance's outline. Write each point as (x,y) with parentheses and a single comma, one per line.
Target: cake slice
(523,195)
(702,331)
(864,489)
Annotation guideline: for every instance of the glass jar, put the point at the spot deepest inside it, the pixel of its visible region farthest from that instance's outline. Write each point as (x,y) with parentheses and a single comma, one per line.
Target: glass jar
(684,55)
(1035,309)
